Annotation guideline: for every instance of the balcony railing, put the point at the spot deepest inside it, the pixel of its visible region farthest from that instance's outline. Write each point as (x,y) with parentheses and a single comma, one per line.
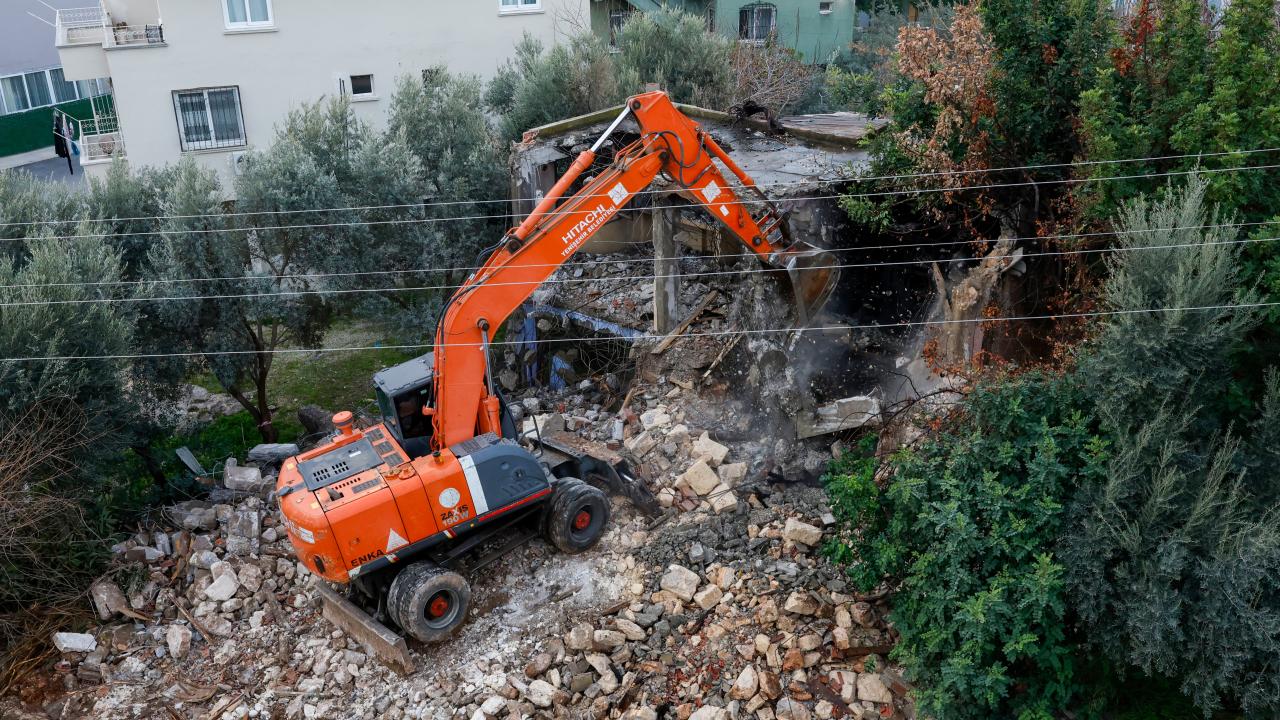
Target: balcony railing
(80,26)
(98,138)
(93,26)
(101,147)
(134,35)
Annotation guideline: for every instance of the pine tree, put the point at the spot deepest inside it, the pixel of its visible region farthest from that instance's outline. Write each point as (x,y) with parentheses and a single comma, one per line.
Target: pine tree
(1174,559)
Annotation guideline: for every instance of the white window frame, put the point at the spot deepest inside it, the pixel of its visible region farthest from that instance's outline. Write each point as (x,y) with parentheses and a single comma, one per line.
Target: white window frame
(522,7)
(825,7)
(26,86)
(47,85)
(53,87)
(214,144)
(4,98)
(359,97)
(248,24)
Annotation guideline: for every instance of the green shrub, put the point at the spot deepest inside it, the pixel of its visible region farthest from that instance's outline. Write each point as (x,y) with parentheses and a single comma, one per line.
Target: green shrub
(540,86)
(1174,557)
(674,49)
(669,47)
(969,522)
(848,90)
(870,551)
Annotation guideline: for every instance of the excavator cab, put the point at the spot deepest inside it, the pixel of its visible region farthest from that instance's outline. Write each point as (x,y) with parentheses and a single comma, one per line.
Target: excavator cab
(404,393)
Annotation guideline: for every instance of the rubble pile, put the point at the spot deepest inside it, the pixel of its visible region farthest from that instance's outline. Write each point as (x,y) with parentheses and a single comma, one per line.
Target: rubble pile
(196,405)
(735,369)
(615,286)
(723,608)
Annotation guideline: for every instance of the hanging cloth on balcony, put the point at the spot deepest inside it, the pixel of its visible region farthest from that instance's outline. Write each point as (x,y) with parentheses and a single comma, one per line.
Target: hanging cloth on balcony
(59,138)
(62,144)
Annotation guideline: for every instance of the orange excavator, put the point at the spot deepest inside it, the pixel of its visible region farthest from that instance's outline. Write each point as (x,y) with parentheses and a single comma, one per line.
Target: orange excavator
(396,508)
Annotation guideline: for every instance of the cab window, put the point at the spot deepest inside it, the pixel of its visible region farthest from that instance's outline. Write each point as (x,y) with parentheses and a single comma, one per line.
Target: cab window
(409,414)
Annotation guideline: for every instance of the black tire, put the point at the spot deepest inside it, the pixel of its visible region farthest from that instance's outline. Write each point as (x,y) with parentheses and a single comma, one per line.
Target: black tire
(576,516)
(428,602)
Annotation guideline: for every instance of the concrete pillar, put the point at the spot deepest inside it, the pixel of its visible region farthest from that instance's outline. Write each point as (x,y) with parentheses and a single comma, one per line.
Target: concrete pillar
(666,268)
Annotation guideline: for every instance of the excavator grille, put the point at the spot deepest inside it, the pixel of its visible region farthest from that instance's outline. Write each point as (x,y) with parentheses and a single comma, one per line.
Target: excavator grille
(339,464)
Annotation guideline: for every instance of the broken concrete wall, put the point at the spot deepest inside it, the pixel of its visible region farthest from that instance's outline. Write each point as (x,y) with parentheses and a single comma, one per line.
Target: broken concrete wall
(869,358)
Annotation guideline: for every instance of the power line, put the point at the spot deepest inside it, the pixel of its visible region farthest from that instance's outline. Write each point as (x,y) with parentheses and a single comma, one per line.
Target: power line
(588,263)
(568,281)
(651,336)
(780,183)
(416,221)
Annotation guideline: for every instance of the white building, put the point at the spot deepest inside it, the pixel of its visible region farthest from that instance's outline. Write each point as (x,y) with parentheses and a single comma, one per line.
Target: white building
(211,78)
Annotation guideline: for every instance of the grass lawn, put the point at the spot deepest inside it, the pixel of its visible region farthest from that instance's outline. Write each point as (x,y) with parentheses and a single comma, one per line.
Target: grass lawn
(335,381)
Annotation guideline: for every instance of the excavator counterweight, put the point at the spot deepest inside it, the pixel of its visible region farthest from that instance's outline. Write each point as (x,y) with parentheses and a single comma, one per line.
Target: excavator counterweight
(395,508)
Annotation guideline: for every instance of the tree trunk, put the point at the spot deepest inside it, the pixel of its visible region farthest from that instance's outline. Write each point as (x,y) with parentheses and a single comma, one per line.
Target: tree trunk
(257,409)
(962,304)
(154,468)
(266,425)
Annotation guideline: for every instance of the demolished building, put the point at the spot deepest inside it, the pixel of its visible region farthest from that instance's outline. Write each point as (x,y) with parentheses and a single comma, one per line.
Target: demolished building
(663,292)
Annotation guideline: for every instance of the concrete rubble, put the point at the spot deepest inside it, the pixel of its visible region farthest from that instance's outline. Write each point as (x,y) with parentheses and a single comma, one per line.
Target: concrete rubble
(724,607)
(197,405)
(714,611)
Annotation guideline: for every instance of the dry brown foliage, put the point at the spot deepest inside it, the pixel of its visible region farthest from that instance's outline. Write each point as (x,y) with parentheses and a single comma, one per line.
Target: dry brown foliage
(955,69)
(769,75)
(44,534)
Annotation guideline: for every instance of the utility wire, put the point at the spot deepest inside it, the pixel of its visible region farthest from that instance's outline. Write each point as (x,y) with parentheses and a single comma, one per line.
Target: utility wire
(651,336)
(415,221)
(569,281)
(626,261)
(780,183)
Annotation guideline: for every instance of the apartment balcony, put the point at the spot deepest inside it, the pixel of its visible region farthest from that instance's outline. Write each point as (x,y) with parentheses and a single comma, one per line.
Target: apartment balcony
(80,26)
(84,35)
(98,139)
(121,35)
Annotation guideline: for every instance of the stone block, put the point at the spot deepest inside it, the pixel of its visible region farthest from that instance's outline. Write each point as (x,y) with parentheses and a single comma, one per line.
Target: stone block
(700,477)
(680,581)
(710,450)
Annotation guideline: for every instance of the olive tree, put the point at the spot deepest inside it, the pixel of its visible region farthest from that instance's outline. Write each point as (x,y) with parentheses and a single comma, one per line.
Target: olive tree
(255,305)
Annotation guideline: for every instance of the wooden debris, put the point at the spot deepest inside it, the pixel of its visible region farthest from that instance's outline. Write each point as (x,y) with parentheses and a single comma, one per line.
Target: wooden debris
(724,352)
(684,325)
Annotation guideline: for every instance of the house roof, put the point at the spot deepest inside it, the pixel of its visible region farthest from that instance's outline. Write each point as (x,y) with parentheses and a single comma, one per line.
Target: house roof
(813,150)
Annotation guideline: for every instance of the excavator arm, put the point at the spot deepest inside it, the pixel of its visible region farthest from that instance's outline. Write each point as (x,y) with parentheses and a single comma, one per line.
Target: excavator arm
(670,143)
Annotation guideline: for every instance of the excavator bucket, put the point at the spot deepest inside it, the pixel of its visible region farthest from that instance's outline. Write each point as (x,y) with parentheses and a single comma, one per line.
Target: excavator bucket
(813,273)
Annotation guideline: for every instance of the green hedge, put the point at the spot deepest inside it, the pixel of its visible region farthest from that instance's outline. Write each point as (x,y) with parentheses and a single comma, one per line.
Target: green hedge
(33,129)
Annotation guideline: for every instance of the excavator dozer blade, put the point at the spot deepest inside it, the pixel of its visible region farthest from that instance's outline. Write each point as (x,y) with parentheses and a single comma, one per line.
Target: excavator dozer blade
(385,643)
(813,273)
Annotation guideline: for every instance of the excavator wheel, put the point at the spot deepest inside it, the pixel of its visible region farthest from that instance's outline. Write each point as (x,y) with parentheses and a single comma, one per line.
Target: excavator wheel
(576,516)
(428,602)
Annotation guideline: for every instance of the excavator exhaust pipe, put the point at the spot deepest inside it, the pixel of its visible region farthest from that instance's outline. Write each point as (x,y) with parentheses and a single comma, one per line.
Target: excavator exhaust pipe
(813,274)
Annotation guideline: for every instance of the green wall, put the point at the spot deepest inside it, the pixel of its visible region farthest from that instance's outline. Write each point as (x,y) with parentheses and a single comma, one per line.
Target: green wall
(799,25)
(33,129)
